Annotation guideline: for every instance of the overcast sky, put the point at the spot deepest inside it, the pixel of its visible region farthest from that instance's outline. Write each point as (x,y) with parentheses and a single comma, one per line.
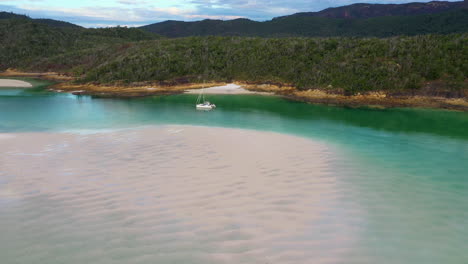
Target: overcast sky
(101,13)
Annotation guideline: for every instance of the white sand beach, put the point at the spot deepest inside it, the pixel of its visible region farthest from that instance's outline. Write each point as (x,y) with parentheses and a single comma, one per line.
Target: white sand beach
(226,89)
(14,83)
(172,194)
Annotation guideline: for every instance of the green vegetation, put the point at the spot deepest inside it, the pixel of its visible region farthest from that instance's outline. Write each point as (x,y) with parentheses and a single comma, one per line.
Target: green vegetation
(348,64)
(313,26)
(49,22)
(24,41)
(434,64)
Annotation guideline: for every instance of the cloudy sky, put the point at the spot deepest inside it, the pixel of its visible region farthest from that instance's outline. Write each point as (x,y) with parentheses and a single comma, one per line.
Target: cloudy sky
(101,13)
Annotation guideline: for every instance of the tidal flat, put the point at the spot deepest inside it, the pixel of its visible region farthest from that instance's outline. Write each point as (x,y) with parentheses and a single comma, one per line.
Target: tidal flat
(170,193)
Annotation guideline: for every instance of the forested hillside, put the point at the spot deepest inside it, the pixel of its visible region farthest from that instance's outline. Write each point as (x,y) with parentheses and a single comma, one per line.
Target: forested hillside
(9,15)
(49,22)
(363,10)
(23,41)
(349,65)
(315,26)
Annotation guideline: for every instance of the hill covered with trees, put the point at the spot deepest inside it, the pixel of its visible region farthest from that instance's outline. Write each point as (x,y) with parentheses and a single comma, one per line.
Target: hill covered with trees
(361,20)
(432,63)
(347,65)
(363,10)
(23,40)
(45,21)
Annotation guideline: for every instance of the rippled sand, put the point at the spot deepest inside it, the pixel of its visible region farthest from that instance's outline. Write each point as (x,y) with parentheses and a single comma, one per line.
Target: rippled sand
(171,194)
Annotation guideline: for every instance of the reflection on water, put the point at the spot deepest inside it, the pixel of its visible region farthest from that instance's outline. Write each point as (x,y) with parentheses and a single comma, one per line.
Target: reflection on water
(401,176)
(446,123)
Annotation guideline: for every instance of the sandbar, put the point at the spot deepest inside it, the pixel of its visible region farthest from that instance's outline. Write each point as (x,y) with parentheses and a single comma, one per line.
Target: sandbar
(14,83)
(172,194)
(225,89)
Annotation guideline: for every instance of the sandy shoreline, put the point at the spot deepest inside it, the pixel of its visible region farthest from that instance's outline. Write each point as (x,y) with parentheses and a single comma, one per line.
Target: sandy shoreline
(236,196)
(148,90)
(14,83)
(375,99)
(230,88)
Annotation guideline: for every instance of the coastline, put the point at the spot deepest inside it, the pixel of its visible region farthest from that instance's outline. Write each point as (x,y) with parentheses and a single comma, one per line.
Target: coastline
(375,99)
(130,91)
(381,100)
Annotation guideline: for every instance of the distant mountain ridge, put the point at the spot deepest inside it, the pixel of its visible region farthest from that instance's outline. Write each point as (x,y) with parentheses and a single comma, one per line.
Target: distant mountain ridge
(49,22)
(374,20)
(362,10)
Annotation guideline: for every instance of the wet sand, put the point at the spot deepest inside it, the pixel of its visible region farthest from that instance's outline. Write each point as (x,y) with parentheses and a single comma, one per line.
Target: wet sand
(170,194)
(14,83)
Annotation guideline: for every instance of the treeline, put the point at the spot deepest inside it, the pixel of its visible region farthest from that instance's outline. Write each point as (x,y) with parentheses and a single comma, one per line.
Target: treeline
(314,26)
(348,64)
(49,22)
(24,41)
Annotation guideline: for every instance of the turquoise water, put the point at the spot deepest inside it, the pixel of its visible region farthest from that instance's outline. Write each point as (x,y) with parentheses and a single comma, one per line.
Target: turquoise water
(407,169)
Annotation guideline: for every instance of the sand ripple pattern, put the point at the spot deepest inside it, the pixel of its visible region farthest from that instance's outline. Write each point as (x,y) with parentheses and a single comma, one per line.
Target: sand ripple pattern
(172,194)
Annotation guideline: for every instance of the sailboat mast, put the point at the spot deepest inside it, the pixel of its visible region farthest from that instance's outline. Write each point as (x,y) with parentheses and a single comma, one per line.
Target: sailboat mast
(202,92)
(199,96)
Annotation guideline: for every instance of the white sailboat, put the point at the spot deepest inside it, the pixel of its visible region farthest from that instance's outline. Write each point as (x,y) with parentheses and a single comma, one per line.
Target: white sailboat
(202,103)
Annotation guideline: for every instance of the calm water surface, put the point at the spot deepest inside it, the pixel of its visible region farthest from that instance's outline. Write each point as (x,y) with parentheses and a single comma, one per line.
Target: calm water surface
(407,169)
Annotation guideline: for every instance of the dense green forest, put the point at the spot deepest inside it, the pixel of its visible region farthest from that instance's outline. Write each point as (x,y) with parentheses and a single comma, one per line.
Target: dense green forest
(23,40)
(351,64)
(346,64)
(313,26)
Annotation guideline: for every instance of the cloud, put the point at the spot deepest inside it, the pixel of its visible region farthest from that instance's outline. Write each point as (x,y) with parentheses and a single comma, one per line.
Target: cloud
(267,9)
(133,2)
(136,16)
(141,12)
(106,14)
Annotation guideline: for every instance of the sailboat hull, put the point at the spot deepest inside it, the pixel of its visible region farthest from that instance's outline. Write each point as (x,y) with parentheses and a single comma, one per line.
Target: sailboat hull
(204,107)
(202,104)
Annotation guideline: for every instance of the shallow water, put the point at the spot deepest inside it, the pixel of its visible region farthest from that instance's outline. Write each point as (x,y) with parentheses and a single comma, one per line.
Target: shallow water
(401,175)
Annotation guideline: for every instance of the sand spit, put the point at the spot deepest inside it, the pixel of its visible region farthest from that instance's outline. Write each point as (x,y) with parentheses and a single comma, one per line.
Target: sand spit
(227,89)
(172,194)
(42,75)
(116,91)
(14,83)
(154,89)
